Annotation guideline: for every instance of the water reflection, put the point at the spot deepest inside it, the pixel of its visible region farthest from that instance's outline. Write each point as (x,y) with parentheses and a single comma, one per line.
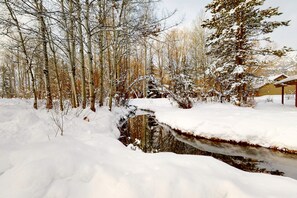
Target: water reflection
(146,133)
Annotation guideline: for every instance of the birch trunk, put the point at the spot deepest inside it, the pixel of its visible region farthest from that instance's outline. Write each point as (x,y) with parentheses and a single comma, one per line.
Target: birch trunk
(90,57)
(81,53)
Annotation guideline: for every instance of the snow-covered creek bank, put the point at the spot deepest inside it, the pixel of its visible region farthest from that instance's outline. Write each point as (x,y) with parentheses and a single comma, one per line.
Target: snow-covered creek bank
(267,124)
(143,131)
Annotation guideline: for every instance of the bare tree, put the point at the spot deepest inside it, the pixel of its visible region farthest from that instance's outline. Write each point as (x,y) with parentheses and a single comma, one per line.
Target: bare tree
(16,24)
(81,53)
(43,32)
(90,55)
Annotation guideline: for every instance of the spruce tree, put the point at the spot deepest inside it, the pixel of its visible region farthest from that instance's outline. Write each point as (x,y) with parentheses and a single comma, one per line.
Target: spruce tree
(153,90)
(237,27)
(184,85)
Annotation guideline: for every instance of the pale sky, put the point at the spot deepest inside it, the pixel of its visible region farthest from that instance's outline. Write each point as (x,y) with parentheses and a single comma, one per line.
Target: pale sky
(189,10)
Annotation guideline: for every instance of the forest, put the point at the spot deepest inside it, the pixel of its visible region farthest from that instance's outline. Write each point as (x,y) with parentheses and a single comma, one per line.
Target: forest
(105,52)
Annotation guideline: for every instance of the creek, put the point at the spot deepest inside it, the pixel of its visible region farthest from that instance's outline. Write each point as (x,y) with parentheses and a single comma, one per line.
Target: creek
(143,131)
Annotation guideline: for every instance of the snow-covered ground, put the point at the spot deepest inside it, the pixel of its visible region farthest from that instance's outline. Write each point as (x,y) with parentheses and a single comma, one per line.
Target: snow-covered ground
(268,124)
(89,161)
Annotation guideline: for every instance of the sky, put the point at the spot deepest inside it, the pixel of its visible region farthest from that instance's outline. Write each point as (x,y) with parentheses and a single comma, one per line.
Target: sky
(188,10)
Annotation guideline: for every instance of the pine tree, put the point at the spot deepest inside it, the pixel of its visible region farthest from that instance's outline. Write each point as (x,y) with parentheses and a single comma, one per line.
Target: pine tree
(184,85)
(237,26)
(153,90)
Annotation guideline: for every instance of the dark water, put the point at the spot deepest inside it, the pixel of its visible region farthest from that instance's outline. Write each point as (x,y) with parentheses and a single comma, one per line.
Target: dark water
(146,133)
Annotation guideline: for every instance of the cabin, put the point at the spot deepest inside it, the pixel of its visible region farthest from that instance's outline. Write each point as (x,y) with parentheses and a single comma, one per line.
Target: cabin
(266,87)
(290,81)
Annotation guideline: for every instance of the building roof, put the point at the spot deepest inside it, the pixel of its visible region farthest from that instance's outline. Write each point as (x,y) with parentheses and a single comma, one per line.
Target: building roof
(292,80)
(267,80)
(275,77)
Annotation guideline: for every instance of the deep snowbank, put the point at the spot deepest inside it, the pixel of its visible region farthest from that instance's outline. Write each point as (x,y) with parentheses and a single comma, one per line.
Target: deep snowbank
(89,161)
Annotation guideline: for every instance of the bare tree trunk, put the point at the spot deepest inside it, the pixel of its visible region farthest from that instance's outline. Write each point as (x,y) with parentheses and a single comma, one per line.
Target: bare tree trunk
(39,7)
(73,54)
(69,30)
(3,80)
(144,69)
(90,57)
(112,65)
(111,77)
(101,62)
(127,51)
(19,72)
(82,57)
(52,47)
(102,5)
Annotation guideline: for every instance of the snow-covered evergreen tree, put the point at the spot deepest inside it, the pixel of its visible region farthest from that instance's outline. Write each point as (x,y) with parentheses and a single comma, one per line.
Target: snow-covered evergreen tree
(238,26)
(184,85)
(153,90)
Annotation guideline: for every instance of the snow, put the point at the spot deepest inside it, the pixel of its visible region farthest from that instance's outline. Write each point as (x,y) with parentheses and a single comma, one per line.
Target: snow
(238,70)
(272,78)
(89,161)
(261,81)
(153,104)
(286,80)
(269,124)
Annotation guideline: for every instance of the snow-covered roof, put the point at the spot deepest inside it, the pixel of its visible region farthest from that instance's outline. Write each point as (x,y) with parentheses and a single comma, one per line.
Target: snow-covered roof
(287,81)
(260,82)
(274,77)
